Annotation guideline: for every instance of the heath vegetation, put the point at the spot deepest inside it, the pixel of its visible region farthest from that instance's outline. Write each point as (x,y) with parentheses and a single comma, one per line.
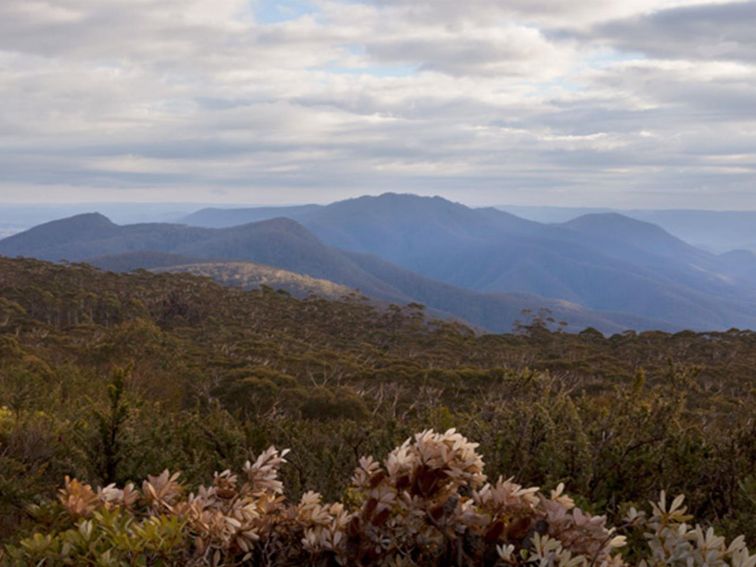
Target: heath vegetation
(106,380)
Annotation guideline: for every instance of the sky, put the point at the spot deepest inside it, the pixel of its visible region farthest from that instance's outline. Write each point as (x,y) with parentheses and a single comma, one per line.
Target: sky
(620,103)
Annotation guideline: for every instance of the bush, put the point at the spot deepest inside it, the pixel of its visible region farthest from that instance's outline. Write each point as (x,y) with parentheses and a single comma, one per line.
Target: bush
(428,503)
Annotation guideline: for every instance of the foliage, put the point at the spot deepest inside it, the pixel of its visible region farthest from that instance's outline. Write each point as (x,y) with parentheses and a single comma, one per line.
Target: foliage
(214,375)
(427,503)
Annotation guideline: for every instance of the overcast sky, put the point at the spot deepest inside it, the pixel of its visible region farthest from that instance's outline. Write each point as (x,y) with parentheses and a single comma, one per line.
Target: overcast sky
(627,103)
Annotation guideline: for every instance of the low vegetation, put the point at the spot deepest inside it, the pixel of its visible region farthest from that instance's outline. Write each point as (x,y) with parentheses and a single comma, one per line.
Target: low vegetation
(428,503)
(108,379)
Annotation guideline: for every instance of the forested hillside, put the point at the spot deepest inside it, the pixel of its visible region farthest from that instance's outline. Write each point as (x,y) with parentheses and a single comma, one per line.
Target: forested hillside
(110,378)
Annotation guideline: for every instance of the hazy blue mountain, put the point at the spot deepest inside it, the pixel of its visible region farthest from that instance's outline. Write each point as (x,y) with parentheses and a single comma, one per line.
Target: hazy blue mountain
(716,231)
(608,263)
(602,262)
(91,235)
(613,230)
(670,259)
(605,262)
(277,242)
(287,245)
(16,218)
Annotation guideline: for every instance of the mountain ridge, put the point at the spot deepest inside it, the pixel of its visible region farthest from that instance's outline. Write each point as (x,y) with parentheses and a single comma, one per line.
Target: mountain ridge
(640,272)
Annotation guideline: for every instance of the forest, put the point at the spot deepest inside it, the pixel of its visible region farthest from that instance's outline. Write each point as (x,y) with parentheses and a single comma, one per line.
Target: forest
(107,380)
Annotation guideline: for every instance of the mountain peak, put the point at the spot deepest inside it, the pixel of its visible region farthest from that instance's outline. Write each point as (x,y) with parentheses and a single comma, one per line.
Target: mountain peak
(94,220)
(280,225)
(82,227)
(85,225)
(397,205)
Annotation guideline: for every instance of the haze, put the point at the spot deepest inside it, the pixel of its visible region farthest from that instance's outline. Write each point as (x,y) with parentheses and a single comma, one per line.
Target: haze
(623,104)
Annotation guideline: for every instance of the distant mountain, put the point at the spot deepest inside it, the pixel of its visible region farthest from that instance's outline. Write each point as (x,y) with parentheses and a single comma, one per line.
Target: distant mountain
(613,230)
(649,246)
(287,245)
(277,242)
(482,265)
(92,235)
(249,275)
(58,234)
(608,263)
(715,231)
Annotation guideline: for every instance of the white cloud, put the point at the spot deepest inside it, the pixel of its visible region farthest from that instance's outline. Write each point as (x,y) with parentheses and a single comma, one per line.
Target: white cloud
(484,101)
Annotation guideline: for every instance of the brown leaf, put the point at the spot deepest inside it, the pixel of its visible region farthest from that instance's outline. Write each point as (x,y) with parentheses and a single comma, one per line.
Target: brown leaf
(381,517)
(377,478)
(518,529)
(494,532)
(403,482)
(370,507)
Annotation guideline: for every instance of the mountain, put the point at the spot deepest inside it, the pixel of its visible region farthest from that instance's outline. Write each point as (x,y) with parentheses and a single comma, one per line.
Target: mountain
(91,235)
(277,242)
(715,231)
(57,235)
(649,246)
(613,230)
(482,265)
(287,245)
(405,228)
(607,263)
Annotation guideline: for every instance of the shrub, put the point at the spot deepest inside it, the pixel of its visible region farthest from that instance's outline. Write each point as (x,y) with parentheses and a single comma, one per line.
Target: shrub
(427,503)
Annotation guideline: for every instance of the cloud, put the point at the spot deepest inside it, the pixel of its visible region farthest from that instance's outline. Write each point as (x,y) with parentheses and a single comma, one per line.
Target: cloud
(486,102)
(723,32)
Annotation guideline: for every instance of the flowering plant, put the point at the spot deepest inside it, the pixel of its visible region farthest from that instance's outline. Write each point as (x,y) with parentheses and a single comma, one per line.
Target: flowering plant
(428,503)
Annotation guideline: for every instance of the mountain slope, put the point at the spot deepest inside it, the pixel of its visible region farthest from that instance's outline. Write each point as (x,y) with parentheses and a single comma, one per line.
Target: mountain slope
(499,310)
(146,260)
(613,229)
(250,275)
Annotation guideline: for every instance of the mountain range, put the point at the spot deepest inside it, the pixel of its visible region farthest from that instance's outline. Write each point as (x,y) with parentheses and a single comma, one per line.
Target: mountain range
(602,261)
(480,265)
